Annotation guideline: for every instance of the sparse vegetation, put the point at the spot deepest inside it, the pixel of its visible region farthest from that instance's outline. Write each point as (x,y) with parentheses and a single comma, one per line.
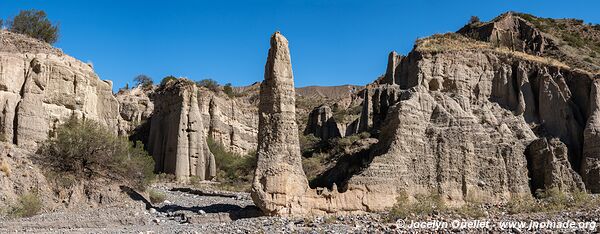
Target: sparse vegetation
(85,150)
(144,81)
(28,204)
(156,196)
(574,40)
(307,142)
(317,154)
(343,115)
(314,165)
(167,79)
(209,84)
(35,24)
(227,89)
(5,168)
(551,200)
(164,178)
(424,204)
(234,171)
(474,20)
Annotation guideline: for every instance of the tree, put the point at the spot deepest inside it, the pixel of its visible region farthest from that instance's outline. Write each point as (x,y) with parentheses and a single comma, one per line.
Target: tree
(209,84)
(144,81)
(227,89)
(167,79)
(474,19)
(34,24)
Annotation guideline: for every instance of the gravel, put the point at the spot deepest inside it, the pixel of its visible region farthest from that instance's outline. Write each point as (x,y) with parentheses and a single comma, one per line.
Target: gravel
(195,211)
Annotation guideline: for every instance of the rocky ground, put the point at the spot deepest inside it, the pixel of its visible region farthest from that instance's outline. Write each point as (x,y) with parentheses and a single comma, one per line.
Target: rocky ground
(191,210)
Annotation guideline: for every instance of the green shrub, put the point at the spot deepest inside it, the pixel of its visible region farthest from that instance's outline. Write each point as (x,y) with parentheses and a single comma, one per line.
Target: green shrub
(314,165)
(209,84)
(29,204)
(307,142)
(521,204)
(167,79)
(86,150)
(574,40)
(424,204)
(227,89)
(156,196)
(232,168)
(35,24)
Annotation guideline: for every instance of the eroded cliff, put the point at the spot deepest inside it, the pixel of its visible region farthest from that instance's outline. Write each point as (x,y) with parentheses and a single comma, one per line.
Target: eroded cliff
(466,118)
(40,87)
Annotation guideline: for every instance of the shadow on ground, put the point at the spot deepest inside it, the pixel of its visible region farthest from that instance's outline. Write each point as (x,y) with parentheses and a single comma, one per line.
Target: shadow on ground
(233,211)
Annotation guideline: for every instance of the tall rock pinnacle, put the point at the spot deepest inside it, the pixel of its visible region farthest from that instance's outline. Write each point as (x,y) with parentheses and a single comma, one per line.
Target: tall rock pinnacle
(279,181)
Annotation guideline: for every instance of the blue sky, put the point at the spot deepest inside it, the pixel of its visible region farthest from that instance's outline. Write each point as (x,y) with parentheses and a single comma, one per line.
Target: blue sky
(332,42)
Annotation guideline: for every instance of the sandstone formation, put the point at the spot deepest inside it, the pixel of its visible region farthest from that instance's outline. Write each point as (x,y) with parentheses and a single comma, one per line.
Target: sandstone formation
(590,167)
(549,166)
(231,122)
(177,140)
(40,87)
(466,118)
(279,182)
(568,40)
(392,67)
(135,107)
(322,124)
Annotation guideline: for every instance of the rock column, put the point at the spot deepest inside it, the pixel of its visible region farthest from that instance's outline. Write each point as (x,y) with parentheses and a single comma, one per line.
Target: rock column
(279,181)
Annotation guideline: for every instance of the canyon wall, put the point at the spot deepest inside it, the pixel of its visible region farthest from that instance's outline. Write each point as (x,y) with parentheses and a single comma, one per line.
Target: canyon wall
(457,117)
(40,87)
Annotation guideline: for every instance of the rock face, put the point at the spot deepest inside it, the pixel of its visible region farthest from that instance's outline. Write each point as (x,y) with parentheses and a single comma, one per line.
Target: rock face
(590,167)
(457,117)
(40,87)
(231,122)
(549,166)
(322,124)
(135,107)
(279,181)
(177,141)
(513,32)
(392,67)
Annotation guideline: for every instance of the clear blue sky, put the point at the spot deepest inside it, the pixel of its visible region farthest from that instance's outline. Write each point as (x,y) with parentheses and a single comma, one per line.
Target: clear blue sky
(332,42)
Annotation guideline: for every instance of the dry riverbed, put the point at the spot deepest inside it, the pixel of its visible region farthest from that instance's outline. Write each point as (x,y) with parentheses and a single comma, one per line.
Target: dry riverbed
(191,210)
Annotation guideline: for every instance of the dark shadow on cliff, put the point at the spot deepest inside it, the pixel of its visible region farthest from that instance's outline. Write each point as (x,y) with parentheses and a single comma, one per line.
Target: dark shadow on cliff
(136,196)
(345,167)
(141,133)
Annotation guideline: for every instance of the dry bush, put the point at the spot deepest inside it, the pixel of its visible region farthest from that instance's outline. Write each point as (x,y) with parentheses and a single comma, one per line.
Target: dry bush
(234,171)
(29,204)
(5,168)
(156,196)
(86,150)
(424,204)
